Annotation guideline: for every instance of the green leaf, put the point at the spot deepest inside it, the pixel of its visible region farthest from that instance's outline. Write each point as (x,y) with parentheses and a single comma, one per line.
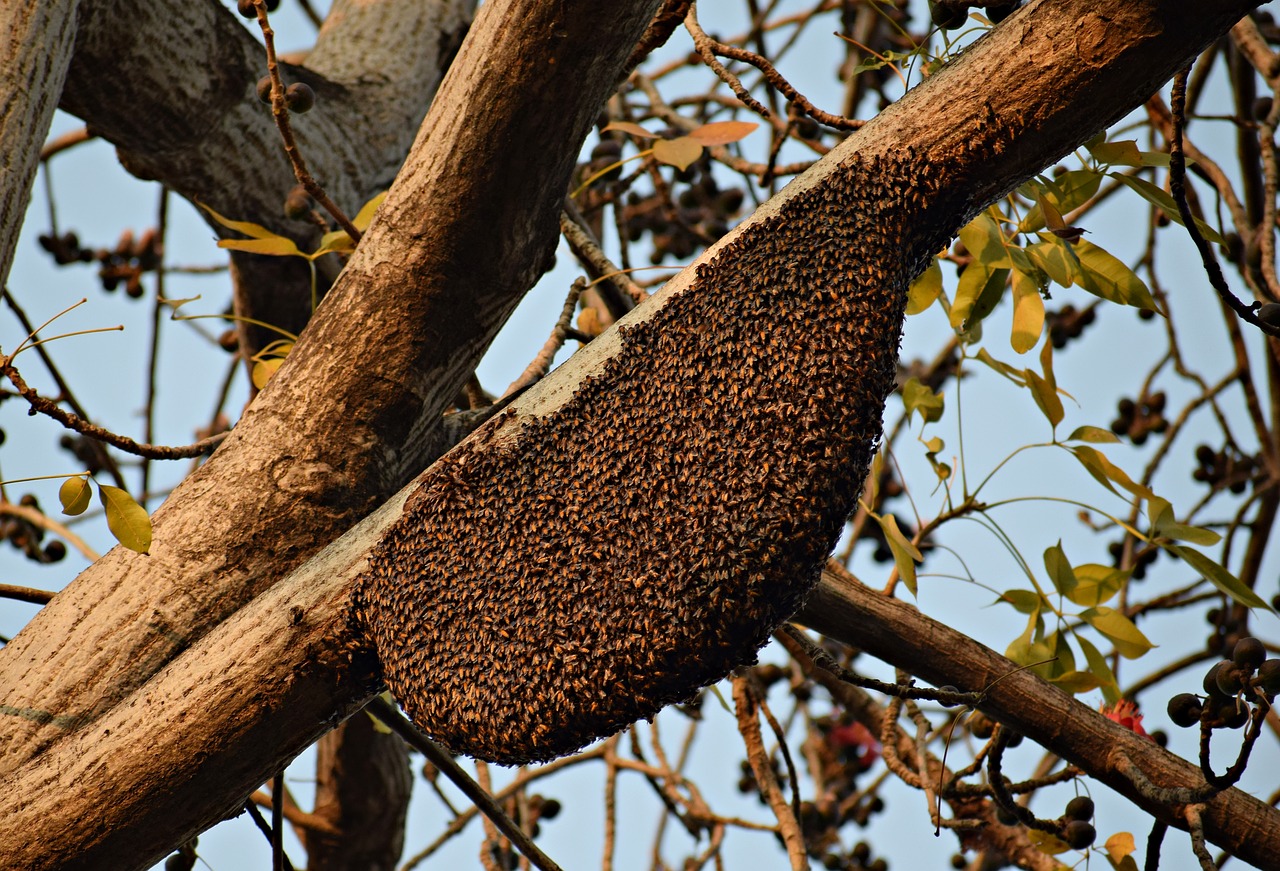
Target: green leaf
(1075,682)
(933,447)
(1017,376)
(276,246)
(1119,630)
(1158,197)
(1120,153)
(1025,601)
(1064,661)
(1218,576)
(1094,434)
(977,294)
(678,152)
(1106,472)
(1166,525)
(1108,277)
(1028,313)
(1096,584)
(74,495)
(1100,669)
(1046,396)
(905,554)
(1057,197)
(916,396)
(925,289)
(1057,259)
(127,520)
(1059,569)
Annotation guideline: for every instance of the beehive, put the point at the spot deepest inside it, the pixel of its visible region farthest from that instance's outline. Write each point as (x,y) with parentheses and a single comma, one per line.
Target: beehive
(549,585)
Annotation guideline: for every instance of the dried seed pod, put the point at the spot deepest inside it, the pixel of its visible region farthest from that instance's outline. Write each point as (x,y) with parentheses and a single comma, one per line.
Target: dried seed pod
(565,573)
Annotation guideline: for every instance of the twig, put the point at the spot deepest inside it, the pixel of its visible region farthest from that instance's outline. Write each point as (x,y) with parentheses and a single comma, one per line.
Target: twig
(1154,840)
(280,113)
(78,424)
(70,139)
(747,705)
(264,827)
(708,48)
(296,816)
(540,365)
(396,721)
(153,352)
(25,594)
(588,250)
(277,822)
(1177,186)
(1195,825)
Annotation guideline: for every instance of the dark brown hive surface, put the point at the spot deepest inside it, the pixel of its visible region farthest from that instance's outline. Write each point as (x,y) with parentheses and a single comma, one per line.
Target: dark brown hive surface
(643,539)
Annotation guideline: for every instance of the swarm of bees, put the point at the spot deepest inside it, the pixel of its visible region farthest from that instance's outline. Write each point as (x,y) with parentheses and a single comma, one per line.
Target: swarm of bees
(559,577)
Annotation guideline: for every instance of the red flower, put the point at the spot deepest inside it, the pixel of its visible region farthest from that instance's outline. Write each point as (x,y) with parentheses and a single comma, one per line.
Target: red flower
(1125,712)
(857,737)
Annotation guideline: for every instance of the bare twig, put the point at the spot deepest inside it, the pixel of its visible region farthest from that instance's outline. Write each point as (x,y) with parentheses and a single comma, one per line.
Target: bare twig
(747,706)
(396,721)
(75,422)
(1177,184)
(280,113)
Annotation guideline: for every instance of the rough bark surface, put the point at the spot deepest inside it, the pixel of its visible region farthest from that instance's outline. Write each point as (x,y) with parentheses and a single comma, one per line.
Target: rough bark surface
(36,39)
(356,409)
(221,670)
(183,110)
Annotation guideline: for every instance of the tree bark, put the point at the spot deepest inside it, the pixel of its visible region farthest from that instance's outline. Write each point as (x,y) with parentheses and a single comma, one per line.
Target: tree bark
(356,410)
(200,654)
(36,40)
(182,109)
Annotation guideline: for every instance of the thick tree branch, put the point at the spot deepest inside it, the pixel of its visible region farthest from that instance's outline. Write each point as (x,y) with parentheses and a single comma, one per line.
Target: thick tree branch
(899,634)
(34,55)
(181,108)
(356,409)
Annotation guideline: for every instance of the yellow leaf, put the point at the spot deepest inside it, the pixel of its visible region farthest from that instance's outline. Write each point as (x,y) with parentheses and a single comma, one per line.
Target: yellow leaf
(276,246)
(678,152)
(629,128)
(264,369)
(74,495)
(1120,849)
(365,216)
(257,231)
(722,132)
(127,520)
(1028,313)
(334,241)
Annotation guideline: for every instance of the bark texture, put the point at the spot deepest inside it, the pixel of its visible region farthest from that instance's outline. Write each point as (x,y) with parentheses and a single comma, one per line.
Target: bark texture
(183,110)
(36,39)
(222,670)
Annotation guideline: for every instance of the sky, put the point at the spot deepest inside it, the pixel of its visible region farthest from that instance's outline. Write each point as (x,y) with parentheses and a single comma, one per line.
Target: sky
(97,199)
